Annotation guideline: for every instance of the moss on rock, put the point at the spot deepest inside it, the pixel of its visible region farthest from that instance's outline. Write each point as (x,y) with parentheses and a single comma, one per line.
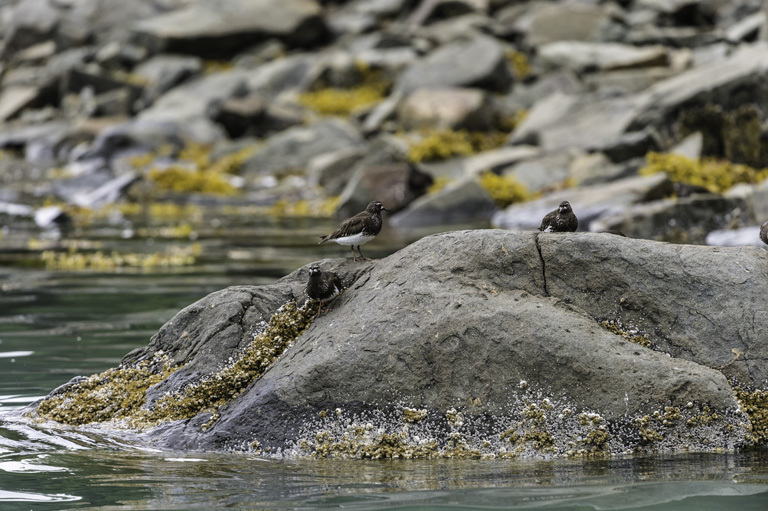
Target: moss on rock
(504,190)
(372,87)
(715,175)
(444,144)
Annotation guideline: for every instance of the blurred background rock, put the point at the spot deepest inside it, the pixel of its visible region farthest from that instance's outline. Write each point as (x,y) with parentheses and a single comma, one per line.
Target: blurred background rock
(648,116)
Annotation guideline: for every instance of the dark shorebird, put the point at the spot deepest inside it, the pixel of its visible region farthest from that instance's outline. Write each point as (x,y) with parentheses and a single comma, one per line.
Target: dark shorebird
(359,229)
(322,285)
(764,232)
(560,220)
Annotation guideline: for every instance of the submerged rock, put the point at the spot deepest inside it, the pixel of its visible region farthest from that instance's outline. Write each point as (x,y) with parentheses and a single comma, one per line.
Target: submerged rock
(473,343)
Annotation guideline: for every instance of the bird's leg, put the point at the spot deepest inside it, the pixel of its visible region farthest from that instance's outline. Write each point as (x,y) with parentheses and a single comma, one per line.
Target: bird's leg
(354,256)
(362,257)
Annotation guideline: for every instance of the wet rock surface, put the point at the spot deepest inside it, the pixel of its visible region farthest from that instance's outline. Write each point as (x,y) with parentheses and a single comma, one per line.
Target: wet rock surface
(494,327)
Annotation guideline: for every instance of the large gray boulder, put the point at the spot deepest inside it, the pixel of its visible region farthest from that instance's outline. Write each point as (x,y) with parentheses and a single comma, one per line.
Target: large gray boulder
(209,28)
(697,303)
(478,62)
(294,148)
(729,82)
(590,203)
(489,343)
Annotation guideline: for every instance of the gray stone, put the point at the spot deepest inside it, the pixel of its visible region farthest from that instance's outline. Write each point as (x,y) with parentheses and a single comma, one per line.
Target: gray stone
(596,169)
(457,28)
(589,203)
(191,105)
(516,311)
(690,146)
(525,95)
(478,62)
(51,216)
(106,193)
(697,303)
(497,159)
(132,137)
(743,237)
(31,22)
(382,112)
(740,78)
(332,170)
(630,145)
(36,54)
(362,16)
(461,202)
(107,21)
(433,10)
(543,114)
(447,108)
(682,220)
(293,149)
(208,28)
(293,73)
(581,56)
(561,121)
(396,185)
(163,72)
(624,82)
(196,97)
(253,116)
(746,28)
(14,99)
(542,172)
(571,22)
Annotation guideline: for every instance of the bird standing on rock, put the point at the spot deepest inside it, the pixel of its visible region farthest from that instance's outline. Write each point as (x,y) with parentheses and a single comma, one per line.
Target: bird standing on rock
(359,229)
(322,286)
(560,220)
(764,232)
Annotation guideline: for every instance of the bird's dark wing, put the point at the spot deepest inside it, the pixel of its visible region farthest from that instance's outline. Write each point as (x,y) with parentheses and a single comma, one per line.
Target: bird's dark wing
(336,282)
(350,226)
(548,219)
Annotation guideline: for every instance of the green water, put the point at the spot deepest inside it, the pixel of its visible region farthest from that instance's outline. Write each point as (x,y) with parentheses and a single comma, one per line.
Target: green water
(57,325)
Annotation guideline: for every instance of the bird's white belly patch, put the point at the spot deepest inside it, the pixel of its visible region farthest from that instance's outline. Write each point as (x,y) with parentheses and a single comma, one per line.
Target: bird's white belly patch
(355,239)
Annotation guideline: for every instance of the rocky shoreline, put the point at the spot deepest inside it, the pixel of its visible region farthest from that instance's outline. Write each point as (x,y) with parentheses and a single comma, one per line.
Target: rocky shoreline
(468,344)
(647,116)
(448,111)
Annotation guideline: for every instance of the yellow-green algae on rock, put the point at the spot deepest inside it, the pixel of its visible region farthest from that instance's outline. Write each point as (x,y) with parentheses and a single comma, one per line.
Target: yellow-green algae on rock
(218,389)
(755,405)
(114,395)
(443,144)
(533,427)
(118,395)
(632,335)
(714,174)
